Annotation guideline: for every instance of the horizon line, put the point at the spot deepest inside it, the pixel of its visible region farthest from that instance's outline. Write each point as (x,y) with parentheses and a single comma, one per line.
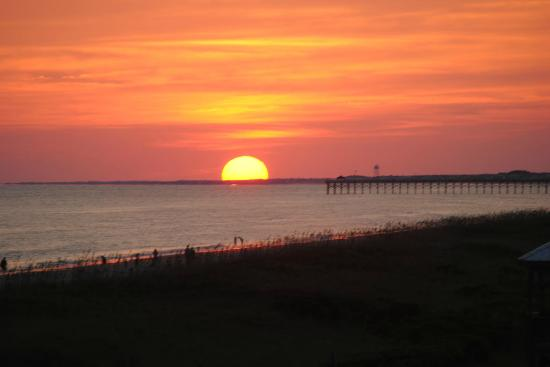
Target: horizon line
(258,181)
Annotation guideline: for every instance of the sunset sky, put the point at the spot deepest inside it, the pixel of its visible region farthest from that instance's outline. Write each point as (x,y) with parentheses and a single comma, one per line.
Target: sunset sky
(172,89)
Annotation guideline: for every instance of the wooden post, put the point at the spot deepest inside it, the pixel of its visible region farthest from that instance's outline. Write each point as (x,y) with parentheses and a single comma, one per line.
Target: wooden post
(530,310)
(542,298)
(522,188)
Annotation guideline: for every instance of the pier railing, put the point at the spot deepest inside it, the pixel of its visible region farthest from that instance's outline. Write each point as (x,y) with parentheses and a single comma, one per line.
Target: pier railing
(430,186)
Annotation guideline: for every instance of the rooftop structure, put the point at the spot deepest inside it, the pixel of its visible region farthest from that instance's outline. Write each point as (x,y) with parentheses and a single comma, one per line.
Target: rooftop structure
(538,256)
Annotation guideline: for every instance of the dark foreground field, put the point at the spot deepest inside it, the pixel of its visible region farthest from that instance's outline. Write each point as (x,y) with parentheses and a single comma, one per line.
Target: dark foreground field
(453,295)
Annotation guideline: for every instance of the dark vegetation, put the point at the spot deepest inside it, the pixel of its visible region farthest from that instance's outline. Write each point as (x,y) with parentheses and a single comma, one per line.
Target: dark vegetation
(451,294)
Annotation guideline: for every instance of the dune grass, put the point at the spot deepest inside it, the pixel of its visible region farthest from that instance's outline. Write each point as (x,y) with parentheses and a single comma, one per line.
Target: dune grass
(440,293)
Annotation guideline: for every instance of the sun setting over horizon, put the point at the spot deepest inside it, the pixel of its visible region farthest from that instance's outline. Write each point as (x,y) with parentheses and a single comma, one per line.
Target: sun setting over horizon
(286,178)
(105,90)
(244,168)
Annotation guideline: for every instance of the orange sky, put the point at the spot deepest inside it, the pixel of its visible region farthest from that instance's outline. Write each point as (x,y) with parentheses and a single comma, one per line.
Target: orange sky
(172,89)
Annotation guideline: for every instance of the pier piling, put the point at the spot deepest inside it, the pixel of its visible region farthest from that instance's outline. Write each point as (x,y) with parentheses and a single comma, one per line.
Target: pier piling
(398,186)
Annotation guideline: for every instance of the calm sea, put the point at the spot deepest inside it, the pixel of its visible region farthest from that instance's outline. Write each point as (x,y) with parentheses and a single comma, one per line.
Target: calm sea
(47,222)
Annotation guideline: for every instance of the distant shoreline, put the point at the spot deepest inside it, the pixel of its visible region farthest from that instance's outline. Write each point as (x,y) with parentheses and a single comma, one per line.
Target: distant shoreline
(512,175)
(275,181)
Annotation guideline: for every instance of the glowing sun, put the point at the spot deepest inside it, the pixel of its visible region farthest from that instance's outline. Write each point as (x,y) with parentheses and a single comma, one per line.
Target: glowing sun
(244,167)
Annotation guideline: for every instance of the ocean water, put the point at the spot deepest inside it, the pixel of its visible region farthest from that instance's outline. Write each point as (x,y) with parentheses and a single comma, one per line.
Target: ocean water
(48,222)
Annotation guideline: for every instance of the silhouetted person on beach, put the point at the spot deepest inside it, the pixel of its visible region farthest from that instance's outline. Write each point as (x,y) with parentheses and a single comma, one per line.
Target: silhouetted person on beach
(137,258)
(155,256)
(189,254)
(4,264)
(103,260)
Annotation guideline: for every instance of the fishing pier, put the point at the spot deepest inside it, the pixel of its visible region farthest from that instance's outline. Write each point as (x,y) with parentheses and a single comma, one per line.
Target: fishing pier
(437,185)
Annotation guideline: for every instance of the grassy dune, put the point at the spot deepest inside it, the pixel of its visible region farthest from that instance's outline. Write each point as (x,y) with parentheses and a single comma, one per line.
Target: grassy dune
(448,294)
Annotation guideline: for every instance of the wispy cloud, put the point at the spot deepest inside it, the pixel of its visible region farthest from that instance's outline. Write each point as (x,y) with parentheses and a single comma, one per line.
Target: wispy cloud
(256,74)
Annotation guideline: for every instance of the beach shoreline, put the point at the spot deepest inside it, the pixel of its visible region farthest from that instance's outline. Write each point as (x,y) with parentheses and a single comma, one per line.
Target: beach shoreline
(140,260)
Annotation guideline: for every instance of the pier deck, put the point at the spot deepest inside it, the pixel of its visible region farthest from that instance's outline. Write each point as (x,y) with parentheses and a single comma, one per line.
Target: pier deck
(442,185)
